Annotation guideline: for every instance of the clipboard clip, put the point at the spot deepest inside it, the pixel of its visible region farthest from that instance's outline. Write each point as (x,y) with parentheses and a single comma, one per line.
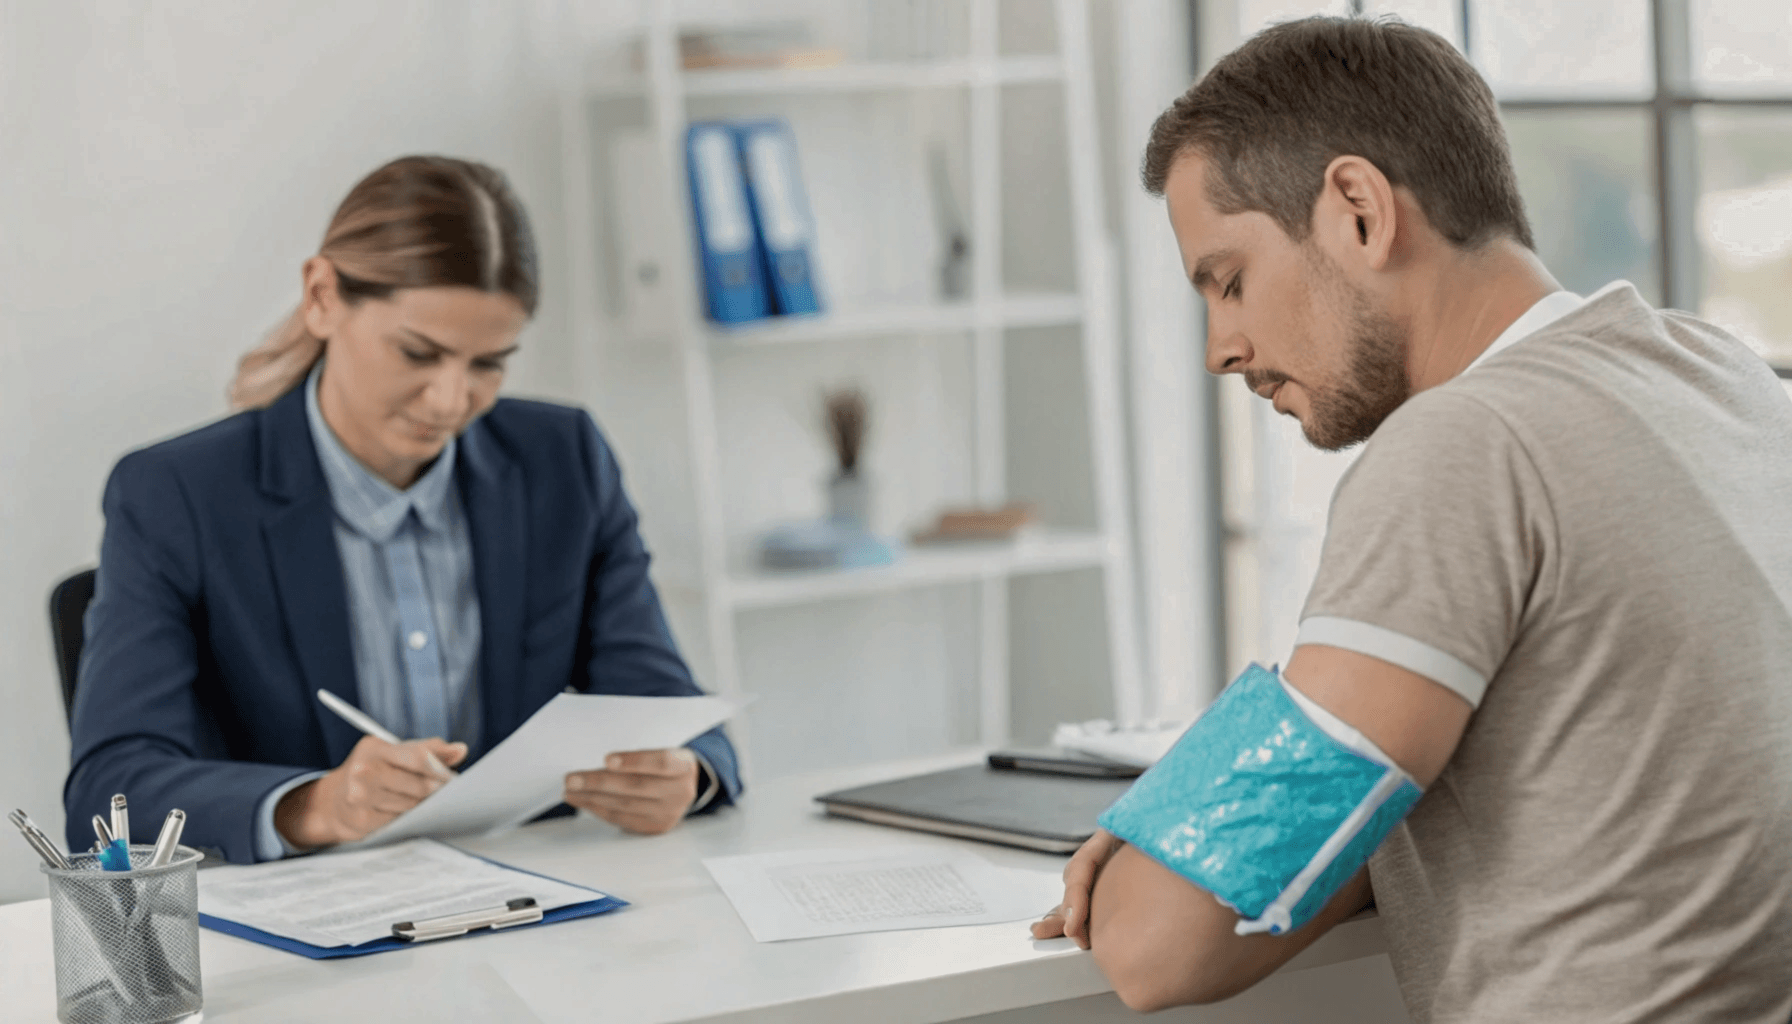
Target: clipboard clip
(518,911)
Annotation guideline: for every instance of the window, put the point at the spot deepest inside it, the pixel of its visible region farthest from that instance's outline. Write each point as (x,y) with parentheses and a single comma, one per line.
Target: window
(1653,143)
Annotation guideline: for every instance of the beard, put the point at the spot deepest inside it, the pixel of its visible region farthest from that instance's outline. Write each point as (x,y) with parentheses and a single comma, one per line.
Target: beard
(1375,383)
(1345,411)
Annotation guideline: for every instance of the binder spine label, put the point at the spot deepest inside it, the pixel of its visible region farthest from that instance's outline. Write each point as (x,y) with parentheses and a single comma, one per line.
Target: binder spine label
(726,227)
(727,240)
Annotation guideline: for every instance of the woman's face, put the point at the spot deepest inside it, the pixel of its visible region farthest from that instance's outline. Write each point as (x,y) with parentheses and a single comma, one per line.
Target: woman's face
(405,374)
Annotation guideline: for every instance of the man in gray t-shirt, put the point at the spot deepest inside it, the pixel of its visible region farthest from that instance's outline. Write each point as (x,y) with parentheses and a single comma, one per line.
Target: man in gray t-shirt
(1588,536)
(1556,587)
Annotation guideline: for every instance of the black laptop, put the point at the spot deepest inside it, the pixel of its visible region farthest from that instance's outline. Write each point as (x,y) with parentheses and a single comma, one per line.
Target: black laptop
(1053,813)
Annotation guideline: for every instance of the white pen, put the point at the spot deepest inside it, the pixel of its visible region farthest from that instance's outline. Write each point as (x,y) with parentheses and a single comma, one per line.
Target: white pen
(39,842)
(360,720)
(52,856)
(121,819)
(169,840)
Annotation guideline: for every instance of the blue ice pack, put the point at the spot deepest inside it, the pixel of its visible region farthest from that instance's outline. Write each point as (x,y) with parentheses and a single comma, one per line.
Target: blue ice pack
(1268,801)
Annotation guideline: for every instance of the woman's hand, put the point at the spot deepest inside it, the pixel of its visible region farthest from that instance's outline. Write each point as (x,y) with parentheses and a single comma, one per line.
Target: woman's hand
(645,791)
(1071,917)
(378,782)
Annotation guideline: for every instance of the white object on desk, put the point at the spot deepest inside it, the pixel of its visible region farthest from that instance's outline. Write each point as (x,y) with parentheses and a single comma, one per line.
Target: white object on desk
(525,775)
(345,899)
(805,894)
(1140,745)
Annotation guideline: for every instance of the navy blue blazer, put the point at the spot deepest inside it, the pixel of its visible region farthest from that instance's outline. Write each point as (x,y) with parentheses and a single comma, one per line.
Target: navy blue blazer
(220,610)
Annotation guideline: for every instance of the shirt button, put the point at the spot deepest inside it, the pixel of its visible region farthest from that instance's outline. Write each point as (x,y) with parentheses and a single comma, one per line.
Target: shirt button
(418,640)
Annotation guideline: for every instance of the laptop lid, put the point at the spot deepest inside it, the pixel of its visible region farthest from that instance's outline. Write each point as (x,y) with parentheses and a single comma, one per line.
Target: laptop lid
(1055,813)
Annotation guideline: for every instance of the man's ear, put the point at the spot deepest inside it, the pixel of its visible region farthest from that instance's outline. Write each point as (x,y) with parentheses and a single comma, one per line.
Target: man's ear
(321,302)
(1356,214)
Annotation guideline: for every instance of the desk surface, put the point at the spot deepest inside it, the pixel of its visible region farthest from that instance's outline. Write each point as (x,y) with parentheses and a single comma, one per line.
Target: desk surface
(678,953)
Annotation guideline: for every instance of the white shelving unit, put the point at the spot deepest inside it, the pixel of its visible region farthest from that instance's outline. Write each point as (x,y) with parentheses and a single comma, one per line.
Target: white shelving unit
(862,77)
(984,563)
(726,587)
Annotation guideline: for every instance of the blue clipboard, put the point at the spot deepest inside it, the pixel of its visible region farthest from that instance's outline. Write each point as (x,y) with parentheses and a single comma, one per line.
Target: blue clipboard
(602,905)
(306,949)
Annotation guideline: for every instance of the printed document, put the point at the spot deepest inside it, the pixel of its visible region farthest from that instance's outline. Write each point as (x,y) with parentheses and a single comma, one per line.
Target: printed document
(345,899)
(809,893)
(525,775)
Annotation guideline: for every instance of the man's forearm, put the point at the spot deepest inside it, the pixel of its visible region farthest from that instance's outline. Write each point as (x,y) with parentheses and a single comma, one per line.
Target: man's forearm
(1162,941)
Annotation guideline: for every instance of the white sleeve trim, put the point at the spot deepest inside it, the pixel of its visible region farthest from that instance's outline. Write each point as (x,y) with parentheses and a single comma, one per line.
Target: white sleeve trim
(1396,649)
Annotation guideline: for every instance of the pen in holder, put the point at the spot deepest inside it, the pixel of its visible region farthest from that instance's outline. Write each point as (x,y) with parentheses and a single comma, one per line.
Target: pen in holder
(127,942)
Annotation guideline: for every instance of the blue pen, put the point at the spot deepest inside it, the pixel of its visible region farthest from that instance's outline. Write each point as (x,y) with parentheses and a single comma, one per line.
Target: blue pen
(114,854)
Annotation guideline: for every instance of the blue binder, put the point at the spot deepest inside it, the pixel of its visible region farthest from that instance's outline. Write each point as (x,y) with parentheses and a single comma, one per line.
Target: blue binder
(786,228)
(733,277)
(603,904)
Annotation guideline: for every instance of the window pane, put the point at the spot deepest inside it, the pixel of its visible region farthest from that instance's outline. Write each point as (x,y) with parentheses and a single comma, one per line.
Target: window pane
(1441,16)
(1742,45)
(1589,194)
(1256,15)
(1744,221)
(1561,49)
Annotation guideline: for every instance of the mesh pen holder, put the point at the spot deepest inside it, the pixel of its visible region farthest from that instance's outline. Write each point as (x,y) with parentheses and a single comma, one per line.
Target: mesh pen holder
(127,943)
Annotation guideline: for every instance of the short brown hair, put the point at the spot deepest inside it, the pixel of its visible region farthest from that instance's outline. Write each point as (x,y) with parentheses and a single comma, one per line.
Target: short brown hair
(1272,115)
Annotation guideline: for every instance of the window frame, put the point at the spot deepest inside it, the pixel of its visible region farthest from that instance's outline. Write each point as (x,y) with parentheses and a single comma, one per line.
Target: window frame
(1671,106)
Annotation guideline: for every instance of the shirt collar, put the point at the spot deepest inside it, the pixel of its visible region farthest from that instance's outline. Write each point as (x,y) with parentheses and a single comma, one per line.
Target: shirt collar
(364,500)
(1545,311)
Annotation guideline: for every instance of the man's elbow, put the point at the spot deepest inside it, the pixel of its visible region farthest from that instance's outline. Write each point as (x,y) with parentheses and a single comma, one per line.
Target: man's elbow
(1148,978)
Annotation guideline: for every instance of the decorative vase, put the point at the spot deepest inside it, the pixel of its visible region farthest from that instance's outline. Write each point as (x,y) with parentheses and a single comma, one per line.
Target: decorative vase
(849,502)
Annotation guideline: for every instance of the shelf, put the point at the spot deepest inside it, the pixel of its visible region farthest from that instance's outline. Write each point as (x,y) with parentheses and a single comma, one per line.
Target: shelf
(923,567)
(854,77)
(1038,310)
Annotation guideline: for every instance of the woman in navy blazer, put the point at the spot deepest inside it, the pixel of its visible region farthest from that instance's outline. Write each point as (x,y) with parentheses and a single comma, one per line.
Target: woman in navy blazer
(226,593)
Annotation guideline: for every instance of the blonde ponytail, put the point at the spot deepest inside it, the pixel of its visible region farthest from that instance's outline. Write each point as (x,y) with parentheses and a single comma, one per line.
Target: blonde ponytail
(272,368)
(417,222)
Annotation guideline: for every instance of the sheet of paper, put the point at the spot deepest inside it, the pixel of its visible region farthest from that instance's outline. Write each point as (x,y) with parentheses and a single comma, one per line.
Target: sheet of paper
(525,774)
(345,899)
(808,893)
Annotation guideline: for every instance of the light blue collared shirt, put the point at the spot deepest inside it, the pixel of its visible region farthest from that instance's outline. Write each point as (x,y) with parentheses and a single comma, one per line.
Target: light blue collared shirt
(407,562)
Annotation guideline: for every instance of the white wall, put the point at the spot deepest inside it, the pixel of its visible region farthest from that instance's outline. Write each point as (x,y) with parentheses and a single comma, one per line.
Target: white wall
(164,169)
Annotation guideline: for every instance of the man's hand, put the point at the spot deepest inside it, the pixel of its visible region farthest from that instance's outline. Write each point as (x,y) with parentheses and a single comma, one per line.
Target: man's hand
(378,782)
(1071,917)
(645,791)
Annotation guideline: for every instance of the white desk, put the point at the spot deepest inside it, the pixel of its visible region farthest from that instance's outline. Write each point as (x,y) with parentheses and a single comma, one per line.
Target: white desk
(678,953)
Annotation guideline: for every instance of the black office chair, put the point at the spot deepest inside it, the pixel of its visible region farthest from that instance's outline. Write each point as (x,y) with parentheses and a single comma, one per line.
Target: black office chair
(68,607)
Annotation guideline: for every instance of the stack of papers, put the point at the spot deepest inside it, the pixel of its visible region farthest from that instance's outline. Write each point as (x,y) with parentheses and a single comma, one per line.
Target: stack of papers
(346,899)
(809,893)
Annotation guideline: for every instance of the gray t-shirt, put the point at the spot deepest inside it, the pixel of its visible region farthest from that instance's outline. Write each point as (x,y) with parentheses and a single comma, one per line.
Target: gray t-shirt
(1588,536)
